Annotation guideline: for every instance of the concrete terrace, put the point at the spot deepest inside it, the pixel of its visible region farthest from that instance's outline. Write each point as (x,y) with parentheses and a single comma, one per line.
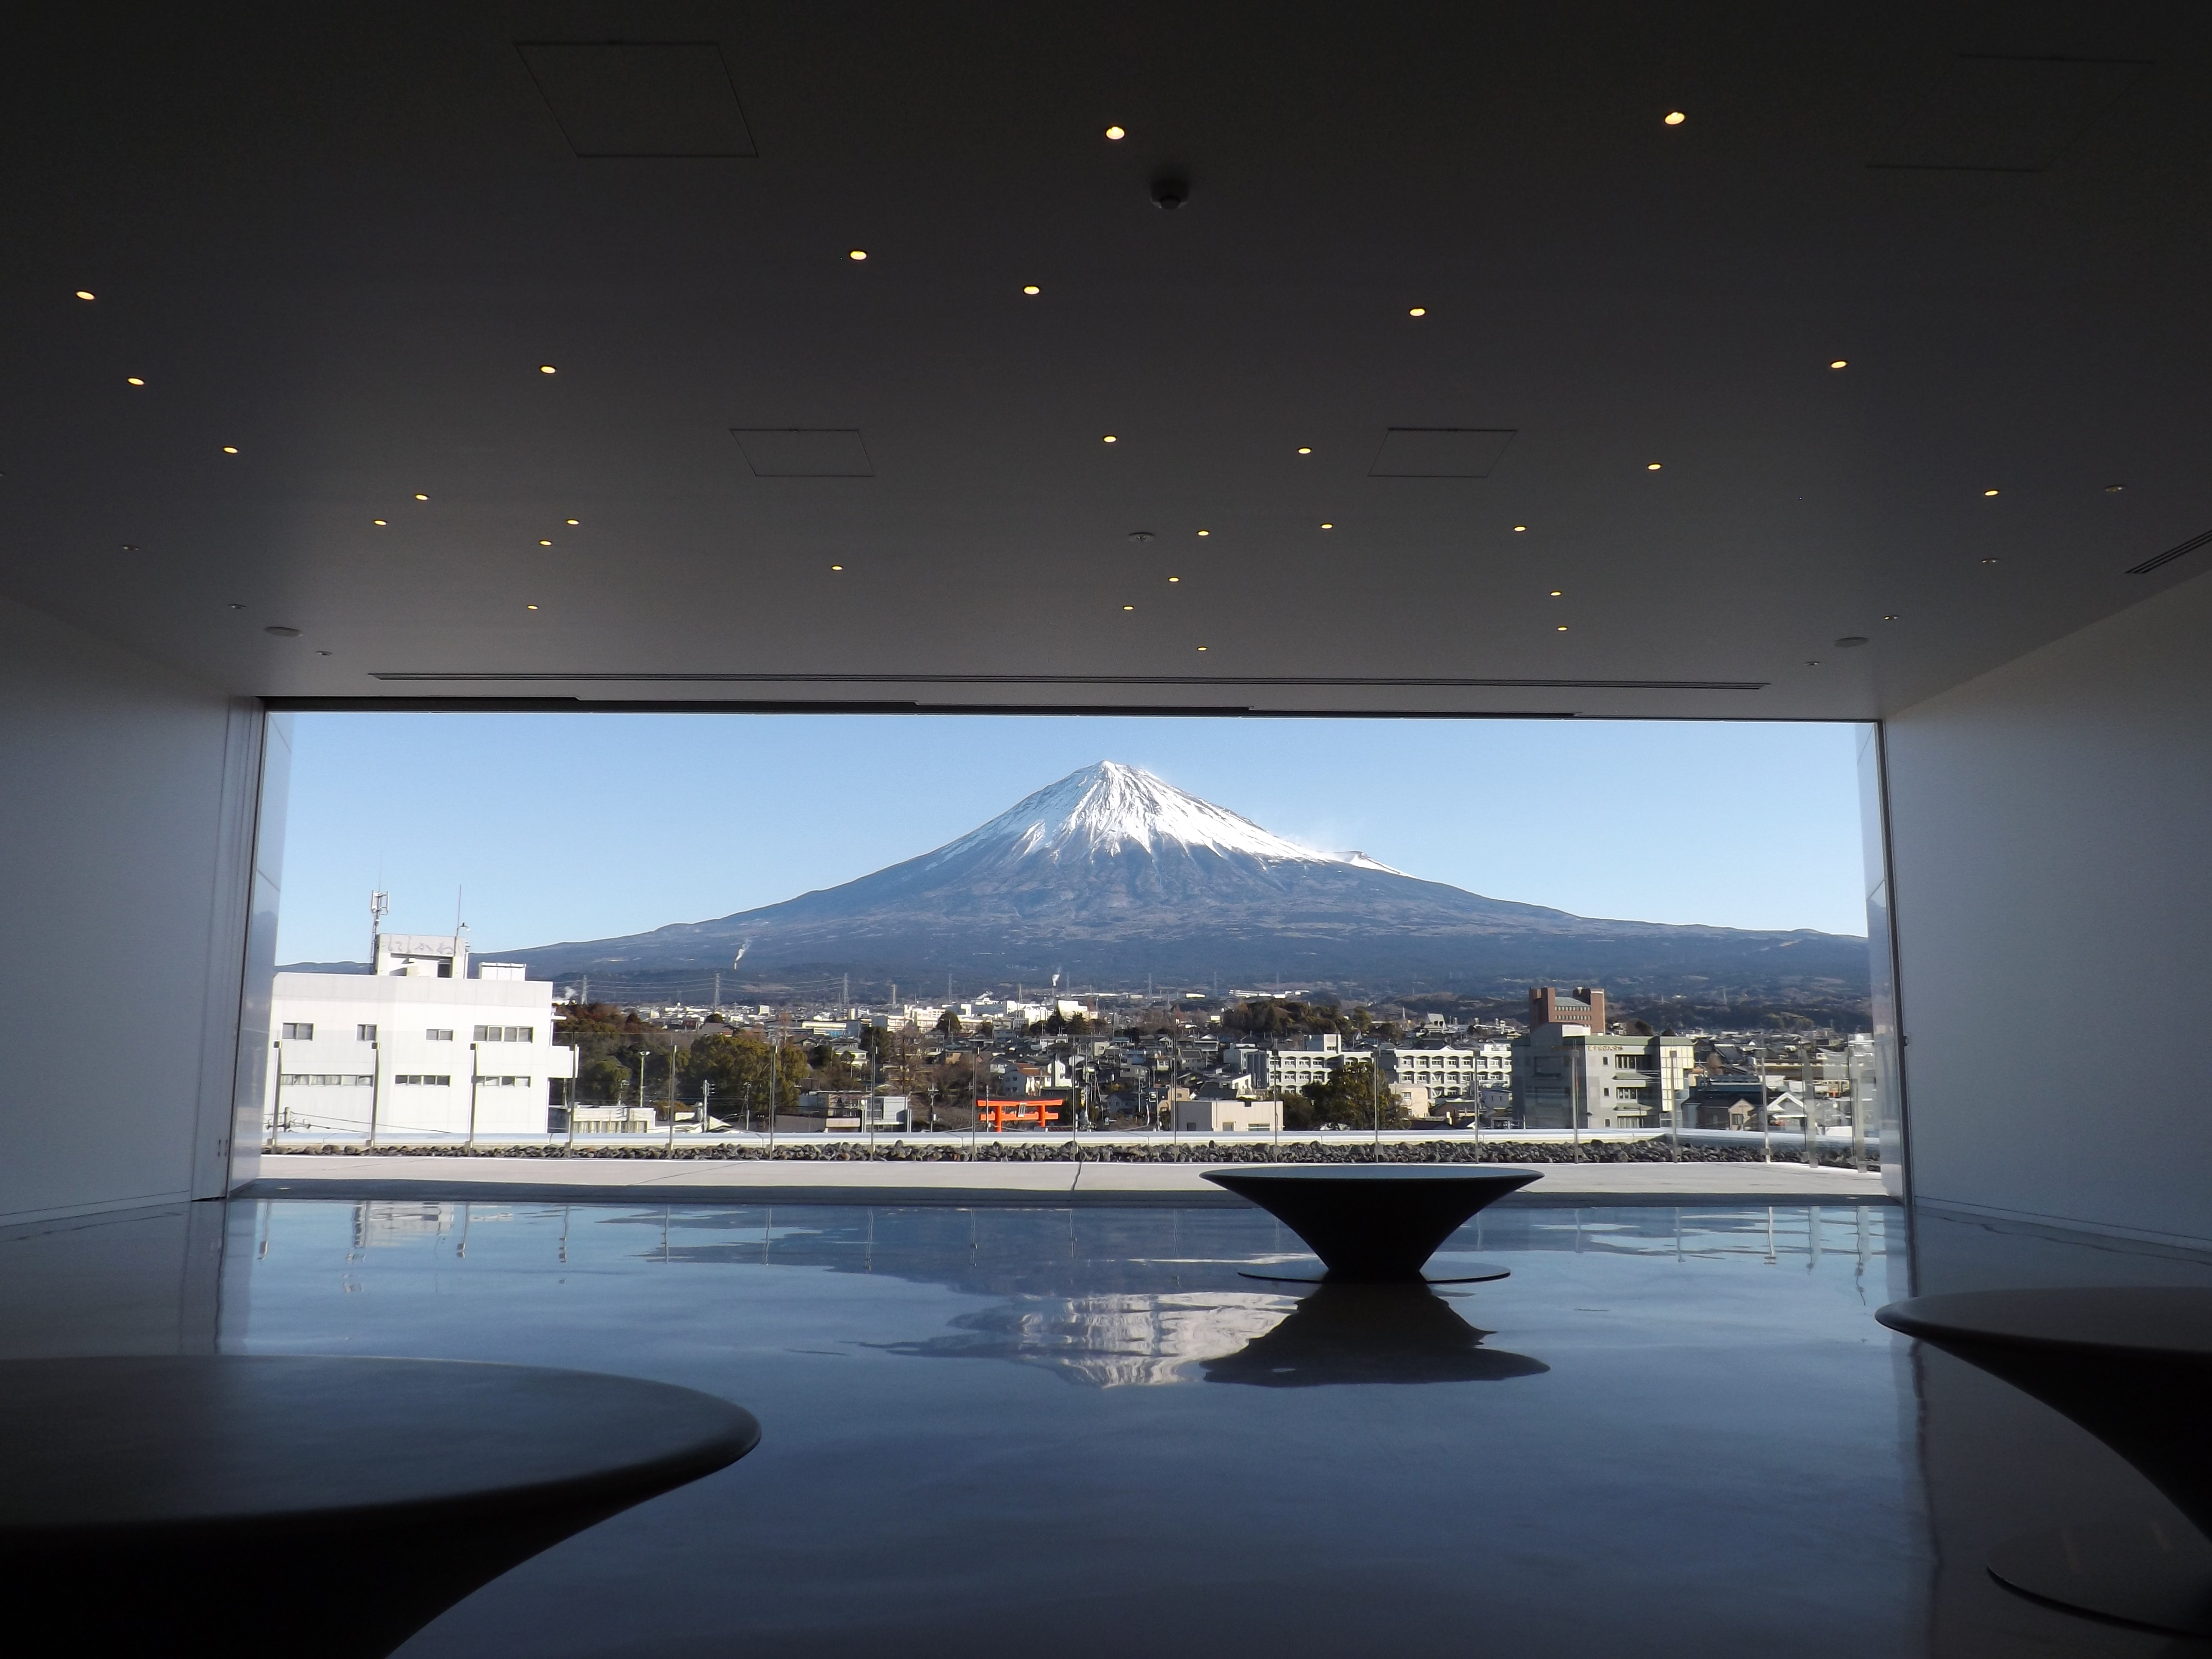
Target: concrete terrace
(294,1175)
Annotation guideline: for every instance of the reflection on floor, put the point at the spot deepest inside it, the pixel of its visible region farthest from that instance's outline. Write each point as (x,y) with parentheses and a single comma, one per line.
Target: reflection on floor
(1668,1432)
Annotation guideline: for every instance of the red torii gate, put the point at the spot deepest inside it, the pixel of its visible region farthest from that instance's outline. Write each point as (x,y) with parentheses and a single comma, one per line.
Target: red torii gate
(1038,1112)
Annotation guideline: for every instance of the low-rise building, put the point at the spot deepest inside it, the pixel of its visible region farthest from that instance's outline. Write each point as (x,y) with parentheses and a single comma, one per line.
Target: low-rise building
(1210,1115)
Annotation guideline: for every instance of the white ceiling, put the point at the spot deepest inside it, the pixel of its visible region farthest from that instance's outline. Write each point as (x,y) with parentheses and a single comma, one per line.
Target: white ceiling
(343,240)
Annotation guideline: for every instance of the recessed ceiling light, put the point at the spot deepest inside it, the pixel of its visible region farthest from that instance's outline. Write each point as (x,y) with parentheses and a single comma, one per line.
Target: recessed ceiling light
(1556,593)
(1418,311)
(322,653)
(1129,607)
(1175,578)
(377,521)
(1840,364)
(542,542)
(576,522)
(84,294)
(1328,526)
(1518,528)
(281,632)
(1202,648)
(1990,560)
(236,607)
(836,566)
(1111,132)
(1651,466)
(529,607)
(1305,449)
(1675,118)
(1851,639)
(1031,287)
(129,547)
(421,497)
(1891,617)
(547,368)
(1109,439)
(857,253)
(1988,492)
(1206,533)
(1812,662)
(230,449)
(132,379)
(2114,490)
(1563,628)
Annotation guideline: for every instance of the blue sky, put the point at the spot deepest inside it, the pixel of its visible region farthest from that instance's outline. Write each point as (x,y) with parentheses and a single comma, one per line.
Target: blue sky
(582,826)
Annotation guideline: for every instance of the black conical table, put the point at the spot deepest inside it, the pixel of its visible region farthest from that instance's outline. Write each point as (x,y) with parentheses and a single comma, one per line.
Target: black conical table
(2132,1365)
(1373,1221)
(275,1505)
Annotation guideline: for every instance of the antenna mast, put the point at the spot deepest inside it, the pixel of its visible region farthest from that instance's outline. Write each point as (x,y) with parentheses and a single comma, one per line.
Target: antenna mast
(379,906)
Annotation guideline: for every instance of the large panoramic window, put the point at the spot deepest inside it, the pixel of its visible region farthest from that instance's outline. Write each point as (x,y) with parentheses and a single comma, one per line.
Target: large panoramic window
(753,928)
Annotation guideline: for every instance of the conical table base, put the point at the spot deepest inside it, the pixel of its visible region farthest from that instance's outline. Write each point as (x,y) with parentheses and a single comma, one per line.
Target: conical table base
(1372,1221)
(2148,1575)
(2131,1363)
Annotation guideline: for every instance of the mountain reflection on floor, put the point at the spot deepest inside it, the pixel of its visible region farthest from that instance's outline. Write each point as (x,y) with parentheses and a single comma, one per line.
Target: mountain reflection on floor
(1139,1296)
(1335,1333)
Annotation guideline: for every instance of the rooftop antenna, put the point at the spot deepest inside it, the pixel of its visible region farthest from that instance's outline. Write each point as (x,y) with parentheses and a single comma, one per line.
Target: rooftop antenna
(379,906)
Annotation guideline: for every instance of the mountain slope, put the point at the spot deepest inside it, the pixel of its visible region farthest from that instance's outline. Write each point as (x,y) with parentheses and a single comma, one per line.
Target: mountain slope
(1113,874)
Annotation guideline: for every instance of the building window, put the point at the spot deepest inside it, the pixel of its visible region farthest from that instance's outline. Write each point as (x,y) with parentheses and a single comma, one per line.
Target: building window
(364,1033)
(435,1035)
(503,1082)
(327,1079)
(298,1031)
(424,1078)
(507,1034)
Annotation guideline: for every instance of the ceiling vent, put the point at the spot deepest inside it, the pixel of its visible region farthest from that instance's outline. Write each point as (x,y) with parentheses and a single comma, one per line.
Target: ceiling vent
(2171,554)
(2006,114)
(663,98)
(1440,452)
(803,451)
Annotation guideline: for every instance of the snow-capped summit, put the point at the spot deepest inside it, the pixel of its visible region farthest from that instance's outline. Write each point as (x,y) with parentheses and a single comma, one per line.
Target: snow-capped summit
(1107,809)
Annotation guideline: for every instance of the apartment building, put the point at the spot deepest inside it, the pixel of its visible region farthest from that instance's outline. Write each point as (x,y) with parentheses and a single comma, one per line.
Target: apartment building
(1570,1072)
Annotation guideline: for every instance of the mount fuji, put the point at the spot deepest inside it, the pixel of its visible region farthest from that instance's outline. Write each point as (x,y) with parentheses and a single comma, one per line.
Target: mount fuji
(1113,876)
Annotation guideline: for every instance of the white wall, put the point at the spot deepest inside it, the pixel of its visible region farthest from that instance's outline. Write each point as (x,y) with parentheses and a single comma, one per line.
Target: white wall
(2051,847)
(126,838)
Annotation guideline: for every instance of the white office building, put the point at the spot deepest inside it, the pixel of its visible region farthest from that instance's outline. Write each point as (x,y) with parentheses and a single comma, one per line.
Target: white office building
(427,1045)
(1448,1073)
(1309,1061)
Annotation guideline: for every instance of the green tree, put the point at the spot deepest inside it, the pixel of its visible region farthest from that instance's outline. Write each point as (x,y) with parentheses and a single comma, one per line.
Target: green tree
(1346,1097)
(948,1024)
(739,1065)
(601,1077)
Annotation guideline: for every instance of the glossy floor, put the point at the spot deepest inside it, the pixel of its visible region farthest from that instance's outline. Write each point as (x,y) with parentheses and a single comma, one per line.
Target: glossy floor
(989,1429)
